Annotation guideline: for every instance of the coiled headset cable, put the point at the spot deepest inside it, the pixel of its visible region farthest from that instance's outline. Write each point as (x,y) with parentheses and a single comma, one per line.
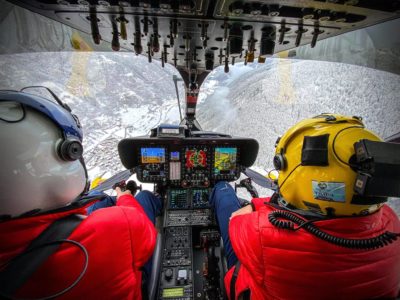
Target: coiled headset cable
(275,218)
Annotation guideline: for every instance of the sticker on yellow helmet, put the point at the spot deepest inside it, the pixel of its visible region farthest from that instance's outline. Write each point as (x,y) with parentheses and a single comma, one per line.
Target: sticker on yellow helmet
(329,191)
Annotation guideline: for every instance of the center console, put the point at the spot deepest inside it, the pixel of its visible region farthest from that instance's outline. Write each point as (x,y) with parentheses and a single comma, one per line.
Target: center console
(191,256)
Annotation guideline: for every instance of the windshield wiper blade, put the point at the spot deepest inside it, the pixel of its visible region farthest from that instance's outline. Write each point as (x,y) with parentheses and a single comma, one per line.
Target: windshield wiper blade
(260,179)
(109,183)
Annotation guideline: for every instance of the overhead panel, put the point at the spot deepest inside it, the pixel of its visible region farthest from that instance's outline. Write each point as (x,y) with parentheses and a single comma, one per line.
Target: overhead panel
(197,36)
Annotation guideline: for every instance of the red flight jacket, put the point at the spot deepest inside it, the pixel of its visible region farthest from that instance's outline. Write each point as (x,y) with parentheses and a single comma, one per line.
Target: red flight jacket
(282,264)
(119,241)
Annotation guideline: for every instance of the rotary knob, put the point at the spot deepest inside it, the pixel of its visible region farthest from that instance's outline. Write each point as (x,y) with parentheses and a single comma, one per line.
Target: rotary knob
(168,274)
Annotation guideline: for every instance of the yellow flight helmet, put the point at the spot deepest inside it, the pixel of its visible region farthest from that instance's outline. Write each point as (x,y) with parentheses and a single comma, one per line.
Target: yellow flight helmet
(314,160)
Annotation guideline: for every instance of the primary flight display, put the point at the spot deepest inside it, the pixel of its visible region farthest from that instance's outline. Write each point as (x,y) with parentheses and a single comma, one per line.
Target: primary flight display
(152,155)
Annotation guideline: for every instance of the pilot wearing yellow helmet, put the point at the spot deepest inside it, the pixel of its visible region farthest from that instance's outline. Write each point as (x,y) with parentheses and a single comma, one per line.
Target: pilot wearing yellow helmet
(326,233)
(318,155)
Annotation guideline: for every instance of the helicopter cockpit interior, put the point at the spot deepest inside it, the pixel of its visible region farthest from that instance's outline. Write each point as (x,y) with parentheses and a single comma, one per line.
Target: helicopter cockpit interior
(184,162)
(188,262)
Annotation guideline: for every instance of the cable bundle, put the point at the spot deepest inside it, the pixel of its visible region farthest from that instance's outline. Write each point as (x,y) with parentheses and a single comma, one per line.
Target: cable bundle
(379,241)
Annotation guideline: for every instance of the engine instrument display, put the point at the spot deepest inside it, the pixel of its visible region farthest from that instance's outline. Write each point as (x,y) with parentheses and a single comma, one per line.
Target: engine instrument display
(196,158)
(152,155)
(225,160)
(196,166)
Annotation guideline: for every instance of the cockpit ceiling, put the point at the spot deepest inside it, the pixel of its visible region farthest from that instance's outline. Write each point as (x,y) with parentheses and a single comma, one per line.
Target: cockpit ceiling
(204,34)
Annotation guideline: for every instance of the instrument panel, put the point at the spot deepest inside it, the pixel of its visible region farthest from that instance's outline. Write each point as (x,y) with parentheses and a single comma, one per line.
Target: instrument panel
(187,162)
(188,166)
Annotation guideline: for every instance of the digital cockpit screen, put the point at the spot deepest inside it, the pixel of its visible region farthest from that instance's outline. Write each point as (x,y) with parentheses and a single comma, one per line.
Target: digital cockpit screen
(174,155)
(225,161)
(196,158)
(152,155)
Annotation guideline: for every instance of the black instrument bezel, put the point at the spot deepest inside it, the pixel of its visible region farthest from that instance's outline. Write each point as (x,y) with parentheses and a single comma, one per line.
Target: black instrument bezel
(130,155)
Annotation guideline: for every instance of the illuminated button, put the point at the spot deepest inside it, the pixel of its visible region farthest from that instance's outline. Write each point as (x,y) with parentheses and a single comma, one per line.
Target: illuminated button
(182,274)
(182,277)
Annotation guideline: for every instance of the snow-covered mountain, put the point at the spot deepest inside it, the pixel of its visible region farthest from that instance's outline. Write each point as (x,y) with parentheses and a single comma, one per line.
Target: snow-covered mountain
(117,95)
(263,101)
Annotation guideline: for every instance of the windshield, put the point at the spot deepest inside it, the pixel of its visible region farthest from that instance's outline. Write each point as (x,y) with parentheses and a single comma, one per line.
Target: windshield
(117,95)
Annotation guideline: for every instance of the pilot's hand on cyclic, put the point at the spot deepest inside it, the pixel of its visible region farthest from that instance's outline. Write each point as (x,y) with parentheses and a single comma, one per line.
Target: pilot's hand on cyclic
(121,193)
(243,211)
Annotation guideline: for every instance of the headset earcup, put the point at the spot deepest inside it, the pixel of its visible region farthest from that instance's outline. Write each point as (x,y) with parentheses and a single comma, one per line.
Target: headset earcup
(70,150)
(279,162)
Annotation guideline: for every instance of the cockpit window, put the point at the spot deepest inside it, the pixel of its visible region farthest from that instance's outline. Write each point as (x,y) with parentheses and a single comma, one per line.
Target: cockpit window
(115,95)
(263,101)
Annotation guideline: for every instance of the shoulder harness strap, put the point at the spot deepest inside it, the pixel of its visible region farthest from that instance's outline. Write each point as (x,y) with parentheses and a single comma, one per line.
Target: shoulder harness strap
(233,281)
(21,267)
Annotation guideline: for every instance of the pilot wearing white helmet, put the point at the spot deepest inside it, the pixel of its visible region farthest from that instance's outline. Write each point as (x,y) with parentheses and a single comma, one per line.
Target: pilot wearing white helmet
(47,247)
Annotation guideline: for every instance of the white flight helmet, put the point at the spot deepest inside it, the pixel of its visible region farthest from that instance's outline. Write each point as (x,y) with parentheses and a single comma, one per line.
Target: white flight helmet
(41,155)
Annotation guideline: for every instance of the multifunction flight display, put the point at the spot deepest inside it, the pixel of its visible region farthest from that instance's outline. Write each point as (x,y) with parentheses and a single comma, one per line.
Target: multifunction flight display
(188,165)
(225,162)
(197,167)
(196,158)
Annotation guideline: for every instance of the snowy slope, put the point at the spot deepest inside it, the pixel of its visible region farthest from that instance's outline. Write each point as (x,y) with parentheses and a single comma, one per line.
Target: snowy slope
(267,100)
